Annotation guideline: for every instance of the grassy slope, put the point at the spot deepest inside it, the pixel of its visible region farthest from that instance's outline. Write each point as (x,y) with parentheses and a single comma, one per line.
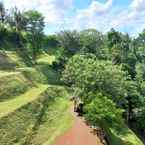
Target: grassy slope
(12,84)
(12,105)
(14,57)
(6,73)
(46,59)
(118,135)
(58,122)
(11,109)
(124,136)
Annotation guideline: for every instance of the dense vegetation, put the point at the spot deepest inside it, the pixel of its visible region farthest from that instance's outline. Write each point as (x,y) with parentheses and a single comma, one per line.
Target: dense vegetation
(106,71)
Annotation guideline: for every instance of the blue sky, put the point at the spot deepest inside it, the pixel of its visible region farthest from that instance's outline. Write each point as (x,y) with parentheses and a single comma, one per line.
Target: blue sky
(123,15)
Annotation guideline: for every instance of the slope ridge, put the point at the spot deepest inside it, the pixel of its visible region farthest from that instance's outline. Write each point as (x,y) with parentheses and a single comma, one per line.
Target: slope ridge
(14,104)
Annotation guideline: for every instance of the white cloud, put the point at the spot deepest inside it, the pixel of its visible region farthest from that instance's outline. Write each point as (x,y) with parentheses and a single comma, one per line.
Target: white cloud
(53,10)
(101,16)
(138,5)
(95,8)
(132,17)
(93,16)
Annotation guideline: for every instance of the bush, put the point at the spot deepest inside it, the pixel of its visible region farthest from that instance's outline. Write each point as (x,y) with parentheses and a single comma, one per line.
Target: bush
(102,108)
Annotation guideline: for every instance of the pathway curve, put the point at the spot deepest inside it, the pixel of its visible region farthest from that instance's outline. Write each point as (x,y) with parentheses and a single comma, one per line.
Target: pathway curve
(79,134)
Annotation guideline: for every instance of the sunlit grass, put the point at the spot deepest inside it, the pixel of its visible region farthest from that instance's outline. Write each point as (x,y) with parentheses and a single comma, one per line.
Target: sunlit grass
(13,104)
(46,58)
(120,134)
(5,73)
(61,124)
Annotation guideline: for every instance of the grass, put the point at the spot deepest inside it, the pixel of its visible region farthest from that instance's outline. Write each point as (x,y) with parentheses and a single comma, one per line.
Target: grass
(15,58)
(19,114)
(33,75)
(6,73)
(59,122)
(56,119)
(46,59)
(13,104)
(120,134)
(12,84)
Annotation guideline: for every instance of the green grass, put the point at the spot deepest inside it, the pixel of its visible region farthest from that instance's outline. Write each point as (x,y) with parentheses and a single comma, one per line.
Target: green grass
(12,84)
(46,59)
(33,75)
(15,58)
(120,134)
(12,105)
(19,114)
(52,76)
(48,114)
(59,121)
(6,73)
(5,62)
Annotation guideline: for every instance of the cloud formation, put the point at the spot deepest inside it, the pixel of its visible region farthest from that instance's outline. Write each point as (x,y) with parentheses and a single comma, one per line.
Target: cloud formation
(100,15)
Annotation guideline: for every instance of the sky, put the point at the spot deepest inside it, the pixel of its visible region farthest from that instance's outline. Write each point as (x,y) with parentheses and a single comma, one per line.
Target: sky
(127,16)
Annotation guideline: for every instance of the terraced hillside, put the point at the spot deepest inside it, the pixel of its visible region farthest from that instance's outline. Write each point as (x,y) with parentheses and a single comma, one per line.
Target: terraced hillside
(31,107)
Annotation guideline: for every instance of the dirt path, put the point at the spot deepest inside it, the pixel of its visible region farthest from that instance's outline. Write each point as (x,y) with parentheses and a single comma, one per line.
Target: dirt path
(79,134)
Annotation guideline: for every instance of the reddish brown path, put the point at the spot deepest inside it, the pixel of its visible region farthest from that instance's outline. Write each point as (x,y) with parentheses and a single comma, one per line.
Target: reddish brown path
(79,134)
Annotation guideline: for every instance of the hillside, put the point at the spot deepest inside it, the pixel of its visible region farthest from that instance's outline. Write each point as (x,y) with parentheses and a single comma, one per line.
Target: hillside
(30,108)
(33,103)
(82,86)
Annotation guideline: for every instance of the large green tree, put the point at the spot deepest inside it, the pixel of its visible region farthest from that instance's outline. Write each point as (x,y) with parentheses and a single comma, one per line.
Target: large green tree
(90,74)
(92,41)
(70,42)
(34,28)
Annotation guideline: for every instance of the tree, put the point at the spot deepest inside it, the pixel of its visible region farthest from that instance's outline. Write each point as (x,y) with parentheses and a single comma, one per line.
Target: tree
(34,28)
(90,75)
(114,38)
(70,42)
(134,99)
(2,12)
(50,42)
(17,23)
(92,41)
(102,109)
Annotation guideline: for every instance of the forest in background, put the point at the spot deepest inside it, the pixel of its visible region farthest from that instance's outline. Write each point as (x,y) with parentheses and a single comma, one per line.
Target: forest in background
(106,71)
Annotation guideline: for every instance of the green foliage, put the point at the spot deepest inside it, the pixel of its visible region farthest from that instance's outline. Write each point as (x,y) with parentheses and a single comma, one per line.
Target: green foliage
(50,42)
(140,121)
(107,69)
(105,89)
(101,108)
(34,27)
(70,41)
(89,74)
(103,112)
(92,41)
